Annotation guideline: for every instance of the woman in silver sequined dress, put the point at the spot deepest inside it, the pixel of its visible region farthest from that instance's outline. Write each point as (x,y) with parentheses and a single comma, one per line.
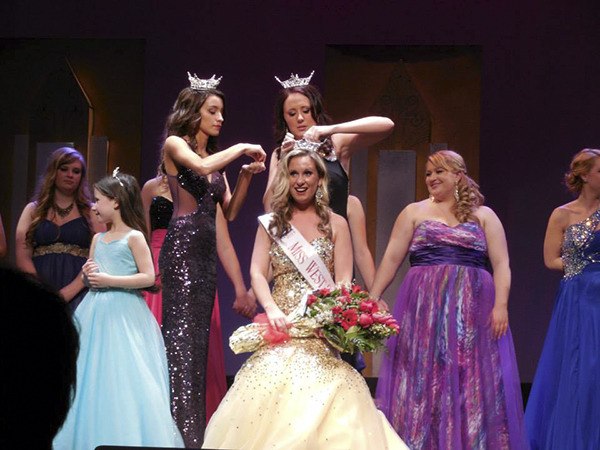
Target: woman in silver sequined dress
(199,187)
(299,394)
(563,411)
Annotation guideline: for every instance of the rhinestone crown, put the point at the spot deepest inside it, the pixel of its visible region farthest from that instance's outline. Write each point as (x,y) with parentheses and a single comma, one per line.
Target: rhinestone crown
(295,80)
(303,144)
(199,84)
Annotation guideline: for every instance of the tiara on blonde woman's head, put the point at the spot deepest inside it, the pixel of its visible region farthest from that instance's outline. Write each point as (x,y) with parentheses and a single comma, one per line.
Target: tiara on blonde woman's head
(295,81)
(199,84)
(310,146)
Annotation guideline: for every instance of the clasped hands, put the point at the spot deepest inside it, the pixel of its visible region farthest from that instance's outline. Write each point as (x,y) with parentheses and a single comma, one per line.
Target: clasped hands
(245,304)
(92,276)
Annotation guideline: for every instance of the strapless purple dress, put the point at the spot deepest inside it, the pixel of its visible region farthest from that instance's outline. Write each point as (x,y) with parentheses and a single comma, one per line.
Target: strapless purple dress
(445,382)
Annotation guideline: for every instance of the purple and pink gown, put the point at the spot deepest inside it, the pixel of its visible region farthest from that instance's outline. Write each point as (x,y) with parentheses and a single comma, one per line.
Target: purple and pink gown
(445,382)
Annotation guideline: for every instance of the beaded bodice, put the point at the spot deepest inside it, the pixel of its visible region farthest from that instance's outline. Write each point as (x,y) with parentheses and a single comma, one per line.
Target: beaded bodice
(581,245)
(289,284)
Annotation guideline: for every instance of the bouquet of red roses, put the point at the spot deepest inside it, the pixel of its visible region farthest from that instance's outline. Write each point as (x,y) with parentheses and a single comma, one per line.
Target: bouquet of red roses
(349,319)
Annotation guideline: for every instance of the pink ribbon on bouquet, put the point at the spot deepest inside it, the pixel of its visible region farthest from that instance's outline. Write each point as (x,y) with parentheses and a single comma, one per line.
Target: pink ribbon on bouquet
(271,335)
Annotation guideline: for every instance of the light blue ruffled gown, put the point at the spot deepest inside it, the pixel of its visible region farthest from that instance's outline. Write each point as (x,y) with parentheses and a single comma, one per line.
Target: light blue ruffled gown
(122,395)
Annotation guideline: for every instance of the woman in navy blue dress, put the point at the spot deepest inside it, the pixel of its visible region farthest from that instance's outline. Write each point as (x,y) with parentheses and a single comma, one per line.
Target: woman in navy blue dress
(55,230)
(563,411)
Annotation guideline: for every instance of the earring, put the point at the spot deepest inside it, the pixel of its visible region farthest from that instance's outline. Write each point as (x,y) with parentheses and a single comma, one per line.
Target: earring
(319,195)
(456,196)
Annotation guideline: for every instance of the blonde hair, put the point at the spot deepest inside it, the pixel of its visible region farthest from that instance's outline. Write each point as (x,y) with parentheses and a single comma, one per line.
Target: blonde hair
(282,203)
(469,196)
(581,164)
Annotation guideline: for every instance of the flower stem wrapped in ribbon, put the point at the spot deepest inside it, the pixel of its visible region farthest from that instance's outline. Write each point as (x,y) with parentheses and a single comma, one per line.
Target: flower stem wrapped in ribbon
(250,338)
(345,316)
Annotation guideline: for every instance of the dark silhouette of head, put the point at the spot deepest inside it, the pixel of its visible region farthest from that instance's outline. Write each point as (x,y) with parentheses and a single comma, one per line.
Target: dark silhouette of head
(39,348)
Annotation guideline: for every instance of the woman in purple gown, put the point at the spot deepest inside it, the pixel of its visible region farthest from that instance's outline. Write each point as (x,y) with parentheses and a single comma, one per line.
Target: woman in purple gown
(188,257)
(55,230)
(449,379)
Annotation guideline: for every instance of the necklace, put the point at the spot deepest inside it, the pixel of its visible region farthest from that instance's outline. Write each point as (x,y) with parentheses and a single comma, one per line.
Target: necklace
(63,212)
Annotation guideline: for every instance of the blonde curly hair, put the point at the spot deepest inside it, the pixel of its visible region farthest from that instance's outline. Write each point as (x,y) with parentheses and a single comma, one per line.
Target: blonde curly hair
(469,196)
(581,164)
(282,203)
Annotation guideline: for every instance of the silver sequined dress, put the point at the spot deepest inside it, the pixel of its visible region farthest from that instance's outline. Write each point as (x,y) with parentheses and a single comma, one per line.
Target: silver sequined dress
(188,269)
(298,395)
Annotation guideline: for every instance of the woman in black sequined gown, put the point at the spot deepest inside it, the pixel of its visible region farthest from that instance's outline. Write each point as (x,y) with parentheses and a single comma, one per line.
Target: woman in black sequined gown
(300,114)
(188,256)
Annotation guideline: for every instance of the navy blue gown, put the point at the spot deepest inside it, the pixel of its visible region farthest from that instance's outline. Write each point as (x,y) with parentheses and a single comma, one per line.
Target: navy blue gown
(59,252)
(563,410)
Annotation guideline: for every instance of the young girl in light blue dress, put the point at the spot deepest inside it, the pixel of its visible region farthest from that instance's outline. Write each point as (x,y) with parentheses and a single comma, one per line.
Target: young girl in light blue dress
(122,395)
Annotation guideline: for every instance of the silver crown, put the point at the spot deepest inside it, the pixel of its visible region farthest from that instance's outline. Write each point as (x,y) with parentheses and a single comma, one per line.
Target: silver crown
(303,144)
(295,80)
(199,84)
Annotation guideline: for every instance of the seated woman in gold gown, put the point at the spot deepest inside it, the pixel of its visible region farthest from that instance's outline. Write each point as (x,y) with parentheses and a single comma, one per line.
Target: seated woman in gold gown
(299,394)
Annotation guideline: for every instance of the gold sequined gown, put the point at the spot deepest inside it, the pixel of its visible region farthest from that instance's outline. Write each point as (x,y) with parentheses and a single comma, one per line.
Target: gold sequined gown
(298,395)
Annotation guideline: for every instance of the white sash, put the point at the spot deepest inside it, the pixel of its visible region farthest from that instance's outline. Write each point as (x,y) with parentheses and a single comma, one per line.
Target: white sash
(303,255)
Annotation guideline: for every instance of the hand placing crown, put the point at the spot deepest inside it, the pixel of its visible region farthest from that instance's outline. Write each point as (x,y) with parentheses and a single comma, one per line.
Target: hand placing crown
(303,144)
(198,84)
(295,81)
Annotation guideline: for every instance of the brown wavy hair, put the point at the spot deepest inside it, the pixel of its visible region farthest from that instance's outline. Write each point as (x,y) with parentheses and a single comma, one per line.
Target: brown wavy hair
(317,110)
(282,203)
(125,189)
(184,119)
(581,164)
(44,193)
(469,196)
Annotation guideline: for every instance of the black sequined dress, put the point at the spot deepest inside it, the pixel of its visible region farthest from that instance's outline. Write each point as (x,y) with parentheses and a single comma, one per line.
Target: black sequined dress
(337,187)
(188,269)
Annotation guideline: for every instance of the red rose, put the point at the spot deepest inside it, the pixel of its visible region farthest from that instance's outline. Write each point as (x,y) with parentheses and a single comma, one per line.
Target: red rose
(349,318)
(356,288)
(324,292)
(337,310)
(380,317)
(390,321)
(344,290)
(311,299)
(365,320)
(368,306)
